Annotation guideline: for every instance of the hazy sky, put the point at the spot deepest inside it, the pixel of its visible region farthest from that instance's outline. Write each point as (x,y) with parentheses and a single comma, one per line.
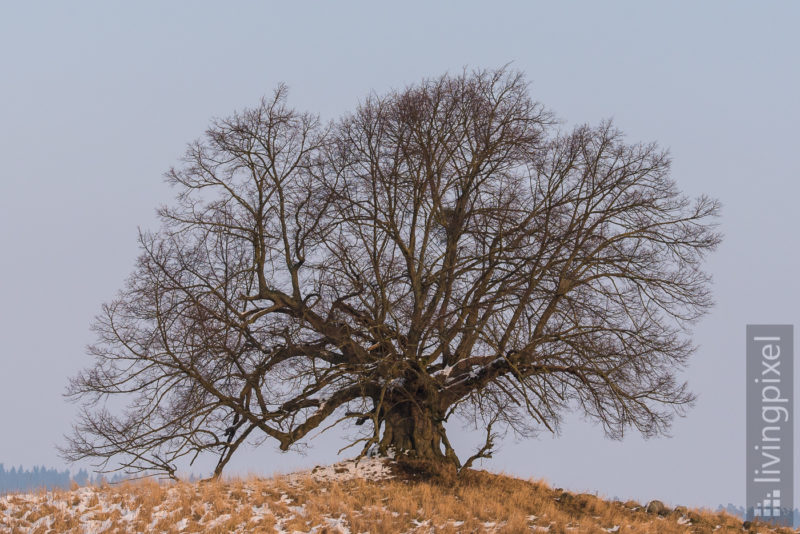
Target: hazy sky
(97,100)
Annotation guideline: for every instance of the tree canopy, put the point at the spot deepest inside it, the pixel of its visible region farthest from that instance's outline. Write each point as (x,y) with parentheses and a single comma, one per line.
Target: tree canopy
(443,249)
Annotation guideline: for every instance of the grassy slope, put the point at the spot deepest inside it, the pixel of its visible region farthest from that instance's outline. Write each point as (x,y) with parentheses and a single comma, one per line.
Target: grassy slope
(335,502)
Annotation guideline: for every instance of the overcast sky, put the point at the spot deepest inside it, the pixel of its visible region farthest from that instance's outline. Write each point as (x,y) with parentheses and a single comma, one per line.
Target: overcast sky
(97,100)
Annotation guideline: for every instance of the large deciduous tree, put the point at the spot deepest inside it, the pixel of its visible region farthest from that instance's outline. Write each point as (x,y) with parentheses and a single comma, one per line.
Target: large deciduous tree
(443,249)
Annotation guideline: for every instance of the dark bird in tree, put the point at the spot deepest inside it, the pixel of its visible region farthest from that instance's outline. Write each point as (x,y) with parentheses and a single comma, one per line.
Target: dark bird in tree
(443,251)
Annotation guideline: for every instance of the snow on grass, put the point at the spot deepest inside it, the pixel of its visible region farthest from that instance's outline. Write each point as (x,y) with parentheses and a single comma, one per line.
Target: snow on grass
(367,468)
(337,524)
(345,498)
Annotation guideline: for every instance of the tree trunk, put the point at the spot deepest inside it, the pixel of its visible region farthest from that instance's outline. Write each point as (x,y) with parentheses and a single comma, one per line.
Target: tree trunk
(414,431)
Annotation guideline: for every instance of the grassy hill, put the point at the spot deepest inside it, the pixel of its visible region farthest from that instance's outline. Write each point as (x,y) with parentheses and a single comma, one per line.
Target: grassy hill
(371,496)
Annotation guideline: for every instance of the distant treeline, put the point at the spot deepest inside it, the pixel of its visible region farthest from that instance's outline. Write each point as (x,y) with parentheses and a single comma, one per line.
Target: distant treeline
(732,509)
(740,512)
(19,479)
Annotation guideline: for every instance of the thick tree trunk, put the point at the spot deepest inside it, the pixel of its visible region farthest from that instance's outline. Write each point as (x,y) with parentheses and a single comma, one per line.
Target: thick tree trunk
(414,431)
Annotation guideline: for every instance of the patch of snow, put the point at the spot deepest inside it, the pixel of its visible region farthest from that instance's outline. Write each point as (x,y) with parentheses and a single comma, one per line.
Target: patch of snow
(217,520)
(157,516)
(367,468)
(338,525)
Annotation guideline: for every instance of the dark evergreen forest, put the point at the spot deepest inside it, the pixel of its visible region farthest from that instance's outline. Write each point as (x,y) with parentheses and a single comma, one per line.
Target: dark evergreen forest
(38,477)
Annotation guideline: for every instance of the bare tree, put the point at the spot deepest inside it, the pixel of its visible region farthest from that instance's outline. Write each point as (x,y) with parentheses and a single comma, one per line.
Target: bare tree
(442,250)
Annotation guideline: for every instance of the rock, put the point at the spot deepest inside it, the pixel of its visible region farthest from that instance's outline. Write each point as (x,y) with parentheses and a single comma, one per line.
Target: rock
(657,507)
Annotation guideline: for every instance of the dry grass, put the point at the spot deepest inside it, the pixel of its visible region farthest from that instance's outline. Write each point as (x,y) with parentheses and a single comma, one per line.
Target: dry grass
(476,502)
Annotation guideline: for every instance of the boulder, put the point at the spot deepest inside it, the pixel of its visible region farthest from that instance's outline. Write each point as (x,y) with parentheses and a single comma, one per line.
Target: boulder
(657,507)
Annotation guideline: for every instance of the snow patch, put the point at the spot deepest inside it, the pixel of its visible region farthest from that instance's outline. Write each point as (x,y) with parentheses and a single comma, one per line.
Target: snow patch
(368,468)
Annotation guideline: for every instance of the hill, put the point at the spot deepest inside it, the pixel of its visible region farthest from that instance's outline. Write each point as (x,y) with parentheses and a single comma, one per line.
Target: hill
(370,496)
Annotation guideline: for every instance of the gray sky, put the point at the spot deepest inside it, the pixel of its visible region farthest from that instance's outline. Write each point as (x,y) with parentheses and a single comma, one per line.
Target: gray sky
(97,100)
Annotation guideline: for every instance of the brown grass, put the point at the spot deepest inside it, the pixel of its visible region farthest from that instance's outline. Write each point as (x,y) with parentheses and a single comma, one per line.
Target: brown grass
(413,501)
